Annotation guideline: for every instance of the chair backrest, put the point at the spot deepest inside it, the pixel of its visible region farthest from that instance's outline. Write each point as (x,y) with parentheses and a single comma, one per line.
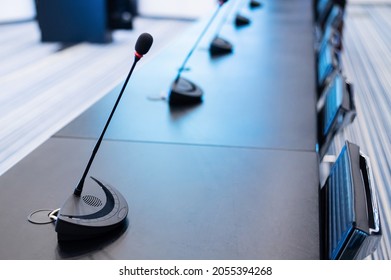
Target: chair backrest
(335,18)
(328,62)
(336,111)
(333,37)
(324,9)
(350,220)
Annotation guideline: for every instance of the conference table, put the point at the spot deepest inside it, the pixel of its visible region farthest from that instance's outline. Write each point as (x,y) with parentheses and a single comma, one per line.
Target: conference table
(234,177)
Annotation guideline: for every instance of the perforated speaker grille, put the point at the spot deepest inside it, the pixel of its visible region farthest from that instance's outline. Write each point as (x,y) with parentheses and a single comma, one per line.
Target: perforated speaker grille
(92,200)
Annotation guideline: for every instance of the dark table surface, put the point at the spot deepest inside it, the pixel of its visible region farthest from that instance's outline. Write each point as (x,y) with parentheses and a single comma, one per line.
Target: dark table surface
(261,95)
(235,177)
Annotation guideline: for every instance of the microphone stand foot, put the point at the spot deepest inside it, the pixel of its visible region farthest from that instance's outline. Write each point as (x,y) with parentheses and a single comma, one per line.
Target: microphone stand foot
(241,20)
(100,210)
(255,4)
(184,92)
(220,46)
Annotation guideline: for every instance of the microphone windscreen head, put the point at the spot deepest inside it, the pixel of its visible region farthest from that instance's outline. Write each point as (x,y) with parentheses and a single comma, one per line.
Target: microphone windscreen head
(144,43)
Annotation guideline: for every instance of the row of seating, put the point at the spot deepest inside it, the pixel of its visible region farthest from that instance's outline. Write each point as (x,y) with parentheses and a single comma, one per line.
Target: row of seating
(84,21)
(349,214)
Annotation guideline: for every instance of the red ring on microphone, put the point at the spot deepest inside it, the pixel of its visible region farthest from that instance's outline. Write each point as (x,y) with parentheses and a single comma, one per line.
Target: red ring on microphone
(138,55)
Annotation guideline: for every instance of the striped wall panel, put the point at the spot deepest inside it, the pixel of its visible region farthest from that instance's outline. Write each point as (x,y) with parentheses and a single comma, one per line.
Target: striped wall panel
(366,60)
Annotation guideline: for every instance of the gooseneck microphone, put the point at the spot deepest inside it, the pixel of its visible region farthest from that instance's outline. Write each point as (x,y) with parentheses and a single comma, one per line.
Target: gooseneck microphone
(241,20)
(220,46)
(101,208)
(143,44)
(183,91)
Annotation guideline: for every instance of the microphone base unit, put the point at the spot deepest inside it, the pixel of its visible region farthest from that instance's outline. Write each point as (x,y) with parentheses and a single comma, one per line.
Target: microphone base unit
(255,4)
(220,46)
(98,211)
(185,92)
(241,20)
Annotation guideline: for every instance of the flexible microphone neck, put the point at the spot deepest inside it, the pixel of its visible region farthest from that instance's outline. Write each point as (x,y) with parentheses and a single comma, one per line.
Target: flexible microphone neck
(143,45)
(225,17)
(80,185)
(198,40)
